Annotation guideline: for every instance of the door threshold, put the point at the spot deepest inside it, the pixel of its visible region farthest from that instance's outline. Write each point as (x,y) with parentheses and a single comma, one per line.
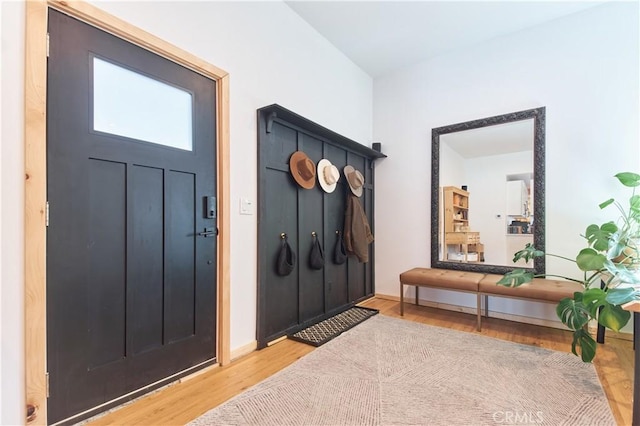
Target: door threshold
(117,403)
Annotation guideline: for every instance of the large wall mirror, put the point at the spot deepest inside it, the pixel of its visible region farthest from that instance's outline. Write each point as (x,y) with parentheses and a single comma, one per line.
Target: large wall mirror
(487,192)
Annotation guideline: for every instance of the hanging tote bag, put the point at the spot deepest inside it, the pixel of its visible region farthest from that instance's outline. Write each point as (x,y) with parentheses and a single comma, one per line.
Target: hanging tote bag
(286,257)
(340,251)
(316,257)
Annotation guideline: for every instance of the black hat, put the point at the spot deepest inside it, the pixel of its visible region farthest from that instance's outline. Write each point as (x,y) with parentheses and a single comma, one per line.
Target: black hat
(340,252)
(316,257)
(286,258)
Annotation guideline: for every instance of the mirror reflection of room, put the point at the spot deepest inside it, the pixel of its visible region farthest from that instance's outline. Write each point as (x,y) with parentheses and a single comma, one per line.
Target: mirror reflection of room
(489,170)
(519,217)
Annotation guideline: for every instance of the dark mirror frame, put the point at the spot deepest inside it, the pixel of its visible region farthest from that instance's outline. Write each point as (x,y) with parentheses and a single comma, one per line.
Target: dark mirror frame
(538,115)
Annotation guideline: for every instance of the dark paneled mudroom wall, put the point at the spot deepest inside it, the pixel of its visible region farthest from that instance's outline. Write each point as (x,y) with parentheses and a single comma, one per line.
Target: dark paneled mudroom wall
(289,303)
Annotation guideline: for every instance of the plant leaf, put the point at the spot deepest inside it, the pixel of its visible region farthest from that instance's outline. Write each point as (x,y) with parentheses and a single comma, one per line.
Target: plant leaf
(582,339)
(572,312)
(592,299)
(515,278)
(604,204)
(634,213)
(590,260)
(621,295)
(629,179)
(616,246)
(527,253)
(613,317)
(622,273)
(599,236)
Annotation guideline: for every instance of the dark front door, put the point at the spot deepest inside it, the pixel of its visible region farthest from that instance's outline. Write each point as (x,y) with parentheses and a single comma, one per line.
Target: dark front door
(131,241)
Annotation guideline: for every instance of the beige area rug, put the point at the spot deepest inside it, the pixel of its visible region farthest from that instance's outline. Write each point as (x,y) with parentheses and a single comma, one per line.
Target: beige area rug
(388,371)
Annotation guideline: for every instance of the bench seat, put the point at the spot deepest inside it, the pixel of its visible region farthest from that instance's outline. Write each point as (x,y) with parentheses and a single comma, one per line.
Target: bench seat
(539,290)
(444,278)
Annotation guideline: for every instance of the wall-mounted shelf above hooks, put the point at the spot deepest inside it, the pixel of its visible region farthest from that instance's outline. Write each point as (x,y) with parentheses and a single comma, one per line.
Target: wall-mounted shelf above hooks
(276,112)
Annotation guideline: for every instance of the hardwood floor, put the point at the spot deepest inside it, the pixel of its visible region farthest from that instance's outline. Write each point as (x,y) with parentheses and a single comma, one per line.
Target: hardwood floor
(183,402)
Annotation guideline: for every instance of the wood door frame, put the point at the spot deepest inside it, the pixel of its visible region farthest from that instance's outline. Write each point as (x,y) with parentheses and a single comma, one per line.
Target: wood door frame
(35,203)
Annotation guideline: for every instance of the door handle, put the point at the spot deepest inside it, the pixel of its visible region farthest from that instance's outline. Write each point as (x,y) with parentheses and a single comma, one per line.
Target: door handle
(208,232)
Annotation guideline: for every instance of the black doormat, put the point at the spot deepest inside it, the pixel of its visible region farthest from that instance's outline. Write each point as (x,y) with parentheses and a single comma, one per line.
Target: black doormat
(326,330)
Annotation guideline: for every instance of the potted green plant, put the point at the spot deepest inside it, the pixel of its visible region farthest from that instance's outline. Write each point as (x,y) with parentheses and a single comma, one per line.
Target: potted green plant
(612,257)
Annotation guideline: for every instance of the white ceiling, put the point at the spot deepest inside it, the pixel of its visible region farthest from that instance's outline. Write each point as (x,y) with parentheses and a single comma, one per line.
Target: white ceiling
(383,36)
(500,139)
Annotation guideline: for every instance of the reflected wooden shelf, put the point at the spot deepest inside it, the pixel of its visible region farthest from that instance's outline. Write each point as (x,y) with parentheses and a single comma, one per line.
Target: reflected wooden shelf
(456,215)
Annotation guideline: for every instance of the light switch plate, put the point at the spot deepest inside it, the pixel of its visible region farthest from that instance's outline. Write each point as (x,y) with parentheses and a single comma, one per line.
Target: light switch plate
(246,206)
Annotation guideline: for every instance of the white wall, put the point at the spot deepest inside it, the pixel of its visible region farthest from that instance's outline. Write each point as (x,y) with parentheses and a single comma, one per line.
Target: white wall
(272,55)
(452,166)
(1,223)
(12,406)
(583,68)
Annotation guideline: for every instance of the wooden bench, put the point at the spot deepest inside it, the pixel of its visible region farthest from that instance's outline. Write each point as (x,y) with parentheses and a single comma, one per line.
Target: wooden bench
(539,290)
(440,278)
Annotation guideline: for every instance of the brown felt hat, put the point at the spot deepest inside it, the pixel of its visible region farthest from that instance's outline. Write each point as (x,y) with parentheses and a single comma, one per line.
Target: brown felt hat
(303,169)
(355,180)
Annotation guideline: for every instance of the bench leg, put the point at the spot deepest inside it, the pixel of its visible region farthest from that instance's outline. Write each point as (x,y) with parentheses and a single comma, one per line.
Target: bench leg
(417,303)
(601,329)
(486,305)
(401,299)
(479,311)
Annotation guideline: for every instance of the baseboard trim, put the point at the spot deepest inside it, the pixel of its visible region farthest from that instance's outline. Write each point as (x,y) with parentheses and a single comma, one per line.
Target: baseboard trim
(244,350)
(501,315)
(387,297)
